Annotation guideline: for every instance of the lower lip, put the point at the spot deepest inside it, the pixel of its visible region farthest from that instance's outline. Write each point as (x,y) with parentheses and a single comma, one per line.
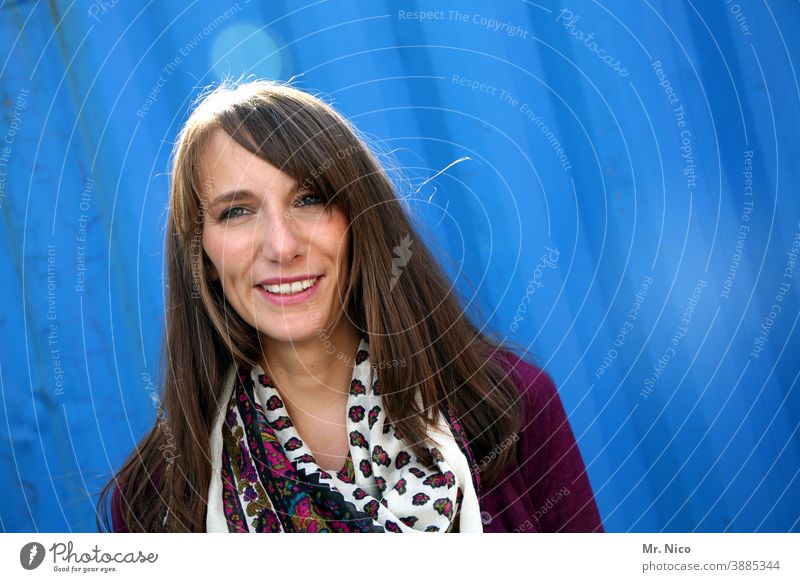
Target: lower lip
(285,300)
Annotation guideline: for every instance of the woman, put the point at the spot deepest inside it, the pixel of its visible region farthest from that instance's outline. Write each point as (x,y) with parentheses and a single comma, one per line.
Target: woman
(319,373)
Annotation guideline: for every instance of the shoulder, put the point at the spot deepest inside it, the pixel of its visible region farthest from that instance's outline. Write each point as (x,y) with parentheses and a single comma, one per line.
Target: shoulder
(545,423)
(118,524)
(536,387)
(549,456)
(122,505)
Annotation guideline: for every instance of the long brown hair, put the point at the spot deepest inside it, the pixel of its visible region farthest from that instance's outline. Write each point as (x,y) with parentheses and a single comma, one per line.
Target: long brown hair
(405,305)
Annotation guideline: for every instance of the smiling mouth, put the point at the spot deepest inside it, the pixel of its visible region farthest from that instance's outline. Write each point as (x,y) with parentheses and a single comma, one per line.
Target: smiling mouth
(289,289)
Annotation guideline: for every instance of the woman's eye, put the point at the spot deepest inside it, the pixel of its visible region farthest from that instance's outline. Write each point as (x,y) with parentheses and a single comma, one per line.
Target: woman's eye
(233,212)
(309,200)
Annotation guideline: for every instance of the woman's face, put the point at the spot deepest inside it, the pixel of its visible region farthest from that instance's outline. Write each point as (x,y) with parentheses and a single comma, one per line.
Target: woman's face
(268,239)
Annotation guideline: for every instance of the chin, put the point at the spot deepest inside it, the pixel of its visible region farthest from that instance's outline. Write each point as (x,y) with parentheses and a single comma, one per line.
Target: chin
(300,334)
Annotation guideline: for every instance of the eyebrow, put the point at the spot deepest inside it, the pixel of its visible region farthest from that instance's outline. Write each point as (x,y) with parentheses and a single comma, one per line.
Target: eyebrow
(230,197)
(241,195)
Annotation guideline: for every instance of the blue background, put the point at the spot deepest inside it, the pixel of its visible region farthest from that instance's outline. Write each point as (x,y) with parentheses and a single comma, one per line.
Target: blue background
(713,446)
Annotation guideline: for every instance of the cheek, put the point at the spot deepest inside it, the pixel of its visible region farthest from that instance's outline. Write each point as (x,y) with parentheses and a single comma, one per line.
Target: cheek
(340,238)
(211,259)
(226,249)
(223,270)
(212,249)
(343,252)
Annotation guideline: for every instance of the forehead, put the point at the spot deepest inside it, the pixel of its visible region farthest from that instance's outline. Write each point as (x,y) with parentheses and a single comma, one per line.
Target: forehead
(226,165)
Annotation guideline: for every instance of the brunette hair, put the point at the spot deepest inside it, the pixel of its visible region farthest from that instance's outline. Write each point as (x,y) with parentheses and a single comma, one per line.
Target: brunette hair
(415,318)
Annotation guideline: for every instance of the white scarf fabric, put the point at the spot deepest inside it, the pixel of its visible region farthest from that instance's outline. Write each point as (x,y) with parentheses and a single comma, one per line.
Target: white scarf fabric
(390,486)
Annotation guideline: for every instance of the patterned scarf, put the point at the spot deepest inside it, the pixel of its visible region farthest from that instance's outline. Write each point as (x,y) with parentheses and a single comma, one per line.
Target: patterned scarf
(265,479)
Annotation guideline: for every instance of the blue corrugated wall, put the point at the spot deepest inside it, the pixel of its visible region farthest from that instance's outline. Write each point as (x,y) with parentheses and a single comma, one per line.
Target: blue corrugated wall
(628,210)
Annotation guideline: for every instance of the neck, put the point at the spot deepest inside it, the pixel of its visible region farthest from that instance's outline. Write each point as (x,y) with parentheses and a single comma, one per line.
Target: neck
(308,376)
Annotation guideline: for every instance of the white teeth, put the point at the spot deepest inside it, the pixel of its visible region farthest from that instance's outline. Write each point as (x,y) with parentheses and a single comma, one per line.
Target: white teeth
(290,288)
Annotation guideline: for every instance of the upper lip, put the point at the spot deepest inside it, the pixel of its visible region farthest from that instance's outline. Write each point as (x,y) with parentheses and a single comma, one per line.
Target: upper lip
(282,280)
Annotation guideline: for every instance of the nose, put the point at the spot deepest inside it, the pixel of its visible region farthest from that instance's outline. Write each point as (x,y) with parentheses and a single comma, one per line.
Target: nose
(278,238)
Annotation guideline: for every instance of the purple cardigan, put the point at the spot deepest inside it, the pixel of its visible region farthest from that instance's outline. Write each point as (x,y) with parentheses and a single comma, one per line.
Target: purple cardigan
(547,490)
